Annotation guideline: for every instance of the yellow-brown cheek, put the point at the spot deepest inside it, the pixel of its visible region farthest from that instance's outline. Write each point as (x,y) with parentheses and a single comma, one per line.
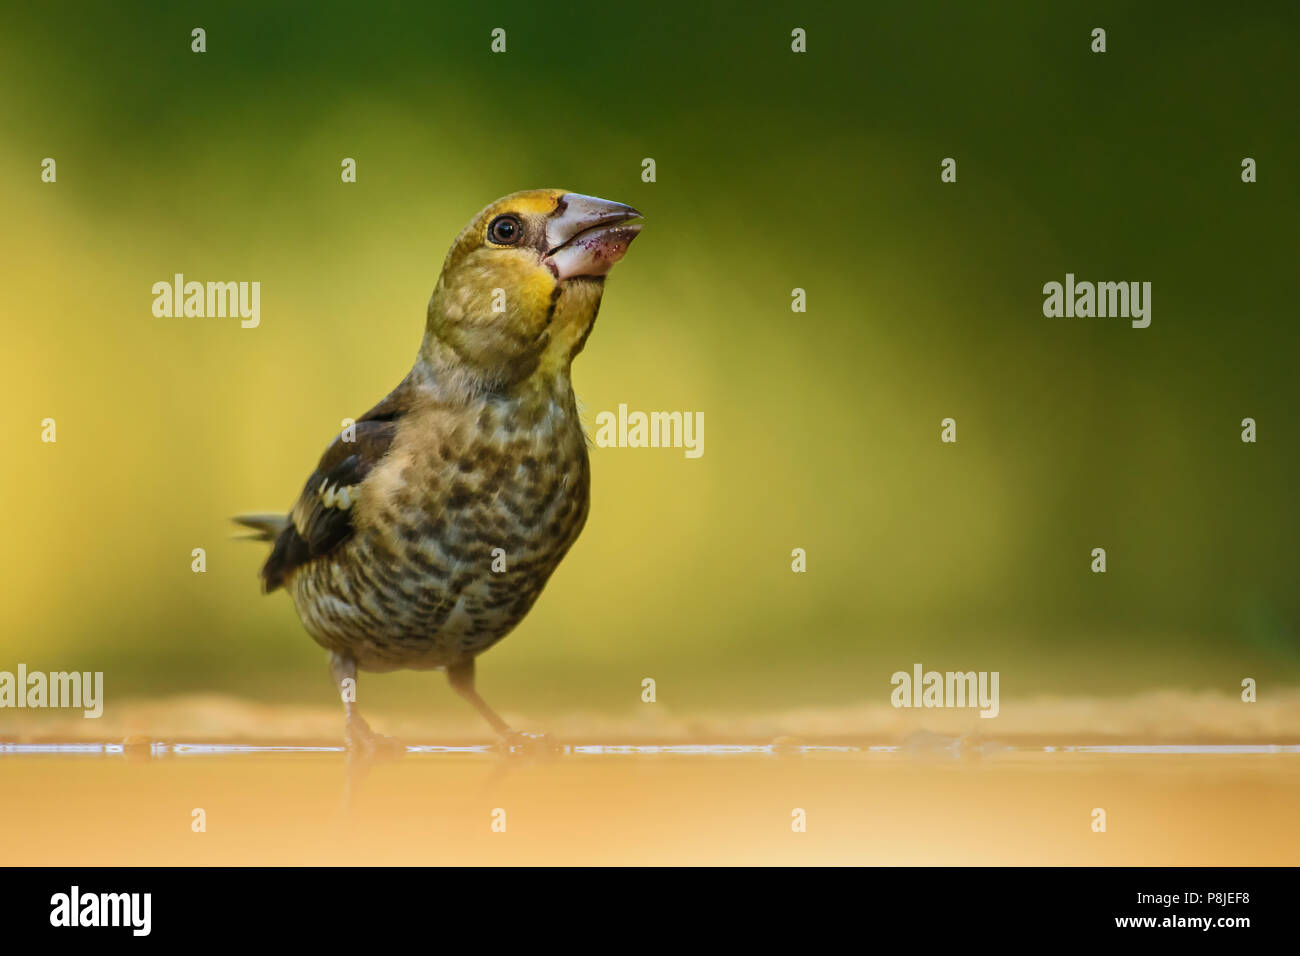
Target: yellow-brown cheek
(494,311)
(513,293)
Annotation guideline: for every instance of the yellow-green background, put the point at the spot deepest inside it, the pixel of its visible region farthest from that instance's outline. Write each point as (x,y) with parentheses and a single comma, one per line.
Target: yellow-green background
(775,171)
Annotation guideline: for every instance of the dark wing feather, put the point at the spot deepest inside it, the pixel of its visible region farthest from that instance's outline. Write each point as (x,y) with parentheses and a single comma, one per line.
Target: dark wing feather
(317,527)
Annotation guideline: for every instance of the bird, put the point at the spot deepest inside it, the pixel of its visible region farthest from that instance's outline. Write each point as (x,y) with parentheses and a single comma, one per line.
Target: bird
(432,522)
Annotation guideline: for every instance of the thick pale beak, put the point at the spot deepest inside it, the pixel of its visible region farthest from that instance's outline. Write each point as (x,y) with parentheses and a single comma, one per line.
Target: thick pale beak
(585,236)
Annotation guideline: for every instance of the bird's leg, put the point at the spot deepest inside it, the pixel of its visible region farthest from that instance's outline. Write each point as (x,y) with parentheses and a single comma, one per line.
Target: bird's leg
(360,738)
(461,677)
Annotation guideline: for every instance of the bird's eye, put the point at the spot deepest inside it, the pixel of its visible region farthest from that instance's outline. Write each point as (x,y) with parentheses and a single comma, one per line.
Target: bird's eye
(505,230)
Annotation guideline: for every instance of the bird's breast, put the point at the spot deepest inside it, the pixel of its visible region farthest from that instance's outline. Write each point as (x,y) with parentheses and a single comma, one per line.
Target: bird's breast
(459,528)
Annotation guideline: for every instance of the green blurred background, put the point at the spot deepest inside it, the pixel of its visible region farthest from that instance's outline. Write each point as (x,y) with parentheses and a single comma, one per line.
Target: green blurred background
(775,171)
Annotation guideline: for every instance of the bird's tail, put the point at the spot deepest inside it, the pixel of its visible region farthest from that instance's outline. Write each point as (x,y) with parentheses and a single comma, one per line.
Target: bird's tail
(266,527)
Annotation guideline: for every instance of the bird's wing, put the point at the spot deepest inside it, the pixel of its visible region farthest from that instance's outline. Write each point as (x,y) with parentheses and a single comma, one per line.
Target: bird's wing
(322,518)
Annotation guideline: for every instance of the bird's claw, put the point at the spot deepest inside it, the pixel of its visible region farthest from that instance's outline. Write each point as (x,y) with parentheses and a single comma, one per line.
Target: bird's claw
(363,742)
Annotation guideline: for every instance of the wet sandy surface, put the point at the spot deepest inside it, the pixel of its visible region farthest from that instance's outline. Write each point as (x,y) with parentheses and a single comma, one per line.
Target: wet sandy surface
(934,801)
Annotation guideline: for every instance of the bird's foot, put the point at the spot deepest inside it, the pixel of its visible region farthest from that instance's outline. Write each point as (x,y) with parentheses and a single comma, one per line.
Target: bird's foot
(365,743)
(522,742)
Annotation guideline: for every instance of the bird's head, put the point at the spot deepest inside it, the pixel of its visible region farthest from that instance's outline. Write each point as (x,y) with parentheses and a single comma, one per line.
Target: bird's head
(521,286)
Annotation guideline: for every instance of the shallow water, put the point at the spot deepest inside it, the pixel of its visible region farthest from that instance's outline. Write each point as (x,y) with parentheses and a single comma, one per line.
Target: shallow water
(938,802)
